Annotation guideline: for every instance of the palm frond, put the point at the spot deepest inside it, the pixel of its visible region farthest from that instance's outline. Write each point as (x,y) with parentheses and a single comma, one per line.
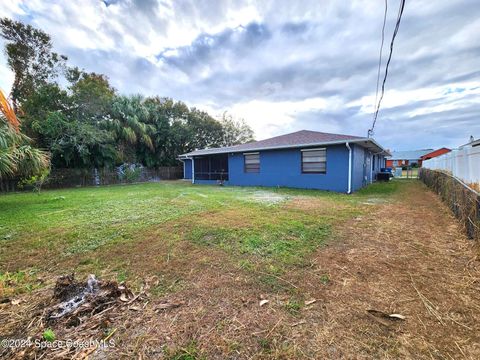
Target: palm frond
(147,140)
(30,160)
(7,163)
(7,110)
(17,157)
(129,135)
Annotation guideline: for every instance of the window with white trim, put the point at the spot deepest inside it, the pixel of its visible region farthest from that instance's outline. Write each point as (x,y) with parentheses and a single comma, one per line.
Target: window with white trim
(314,161)
(251,162)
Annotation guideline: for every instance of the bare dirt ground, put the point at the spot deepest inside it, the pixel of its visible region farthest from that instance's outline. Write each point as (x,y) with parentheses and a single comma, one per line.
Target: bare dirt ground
(406,255)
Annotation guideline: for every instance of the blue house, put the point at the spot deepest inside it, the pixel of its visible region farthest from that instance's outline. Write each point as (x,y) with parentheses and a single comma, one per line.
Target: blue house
(303,159)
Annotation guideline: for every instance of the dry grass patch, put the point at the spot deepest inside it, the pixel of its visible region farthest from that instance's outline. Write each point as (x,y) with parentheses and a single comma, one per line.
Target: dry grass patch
(408,257)
(318,205)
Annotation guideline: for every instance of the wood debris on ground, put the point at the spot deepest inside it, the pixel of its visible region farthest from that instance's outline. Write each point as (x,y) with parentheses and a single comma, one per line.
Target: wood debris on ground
(77,313)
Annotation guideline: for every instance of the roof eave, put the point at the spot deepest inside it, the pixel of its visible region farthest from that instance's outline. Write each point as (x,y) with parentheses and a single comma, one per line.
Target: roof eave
(379,148)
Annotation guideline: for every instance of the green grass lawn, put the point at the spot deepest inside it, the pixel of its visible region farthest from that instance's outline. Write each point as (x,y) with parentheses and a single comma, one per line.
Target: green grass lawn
(258,228)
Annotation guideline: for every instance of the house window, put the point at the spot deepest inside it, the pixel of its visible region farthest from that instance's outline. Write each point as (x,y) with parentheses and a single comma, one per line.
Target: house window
(314,161)
(252,162)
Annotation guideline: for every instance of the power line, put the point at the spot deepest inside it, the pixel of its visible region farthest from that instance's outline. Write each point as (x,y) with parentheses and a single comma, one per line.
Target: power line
(381,51)
(397,26)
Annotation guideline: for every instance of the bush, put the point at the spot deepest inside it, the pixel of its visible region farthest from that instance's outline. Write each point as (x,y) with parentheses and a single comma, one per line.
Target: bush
(132,175)
(36,181)
(130,172)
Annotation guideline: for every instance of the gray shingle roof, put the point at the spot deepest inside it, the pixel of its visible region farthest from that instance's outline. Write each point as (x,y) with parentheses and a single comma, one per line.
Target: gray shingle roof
(292,140)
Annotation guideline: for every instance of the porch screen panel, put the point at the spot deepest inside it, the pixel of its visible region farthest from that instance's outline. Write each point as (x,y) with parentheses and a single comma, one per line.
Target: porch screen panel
(314,161)
(252,162)
(202,168)
(213,167)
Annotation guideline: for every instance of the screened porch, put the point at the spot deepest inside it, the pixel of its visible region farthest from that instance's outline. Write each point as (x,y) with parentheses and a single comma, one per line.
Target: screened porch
(211,167)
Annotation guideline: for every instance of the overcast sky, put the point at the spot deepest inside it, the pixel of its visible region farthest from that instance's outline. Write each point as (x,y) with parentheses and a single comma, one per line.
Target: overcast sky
(282,65)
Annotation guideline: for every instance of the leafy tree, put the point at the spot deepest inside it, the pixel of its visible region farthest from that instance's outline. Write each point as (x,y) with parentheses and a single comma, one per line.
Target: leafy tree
(190,129)
(159,122)
(67,126)
(75,144)
(179,129)
(36,108)
(204,130)
(235,132)
(175,140)
(30,57)
(87,124)
(92,94)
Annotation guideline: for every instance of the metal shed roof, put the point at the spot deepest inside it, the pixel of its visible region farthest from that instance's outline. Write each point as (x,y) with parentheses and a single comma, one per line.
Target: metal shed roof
(409,155)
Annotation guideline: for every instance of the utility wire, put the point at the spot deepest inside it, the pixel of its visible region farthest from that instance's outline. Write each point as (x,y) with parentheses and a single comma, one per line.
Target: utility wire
(380,56)
(397,26)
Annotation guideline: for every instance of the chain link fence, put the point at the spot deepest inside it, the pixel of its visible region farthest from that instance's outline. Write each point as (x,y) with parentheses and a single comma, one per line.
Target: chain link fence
(67,178)
(462,199)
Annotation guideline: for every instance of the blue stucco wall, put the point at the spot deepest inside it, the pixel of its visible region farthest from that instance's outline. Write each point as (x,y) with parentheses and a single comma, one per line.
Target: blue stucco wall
(362,167)
(358,159)
(283,168)
(187,169)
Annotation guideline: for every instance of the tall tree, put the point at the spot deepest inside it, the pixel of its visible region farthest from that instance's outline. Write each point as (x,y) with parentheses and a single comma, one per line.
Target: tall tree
(75,144)
(89,125)
(205,131)
(235,131)
(30,57)
(128,123)
(158,119)
(171,134)
(36,108)
(92,94)
(52,117)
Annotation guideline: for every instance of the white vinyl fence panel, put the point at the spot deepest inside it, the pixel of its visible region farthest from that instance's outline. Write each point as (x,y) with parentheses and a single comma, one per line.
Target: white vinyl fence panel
(463,163)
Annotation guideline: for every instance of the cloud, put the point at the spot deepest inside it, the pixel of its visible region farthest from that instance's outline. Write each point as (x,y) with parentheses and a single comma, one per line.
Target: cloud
(283,65)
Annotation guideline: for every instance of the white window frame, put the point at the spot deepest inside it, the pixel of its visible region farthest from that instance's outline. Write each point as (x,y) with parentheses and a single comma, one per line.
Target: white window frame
(245,164)
(303,151)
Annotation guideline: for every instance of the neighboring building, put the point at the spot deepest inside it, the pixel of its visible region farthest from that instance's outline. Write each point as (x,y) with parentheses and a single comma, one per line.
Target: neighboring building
(463,163)
(471,143)
(303,159)
(407,158)
(435,153)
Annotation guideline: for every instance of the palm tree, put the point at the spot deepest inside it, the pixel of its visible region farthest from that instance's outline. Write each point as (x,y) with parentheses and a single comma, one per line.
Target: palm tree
(17,156)
(128,123)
